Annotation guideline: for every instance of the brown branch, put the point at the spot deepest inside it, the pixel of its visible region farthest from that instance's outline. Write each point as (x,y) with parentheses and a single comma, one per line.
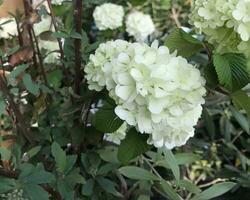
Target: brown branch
(40,57)
(20,119)
(9,174)
(77,42)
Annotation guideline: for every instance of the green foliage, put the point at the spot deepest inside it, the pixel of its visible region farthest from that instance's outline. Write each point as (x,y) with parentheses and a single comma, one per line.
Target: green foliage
(132,146)
(138,173)
(69,156)
(184,43)
(214,191)
(231,69)
(105,119)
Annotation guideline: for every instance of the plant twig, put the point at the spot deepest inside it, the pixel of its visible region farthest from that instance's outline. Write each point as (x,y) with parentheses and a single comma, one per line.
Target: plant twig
(78,28)
(20,119)
(56,29)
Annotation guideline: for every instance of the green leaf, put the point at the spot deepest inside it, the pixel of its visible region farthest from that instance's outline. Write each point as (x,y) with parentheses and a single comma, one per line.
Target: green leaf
(2,107)
(132,146)
(34,151)
(185,44)
(7,184)
(60,156)
(5,154)
(108,186)
(231,69)
(169,191)
(18,70)
(137,2)
(71,160)
(30,85)
(105,119)
(138,173)
(87,188)
(40,177)
(186,158)
(214,191)
(241,100)
(172,162)
(109,154)
(35,192)
(209,123)
(189,186)
(55,78)
(241,119)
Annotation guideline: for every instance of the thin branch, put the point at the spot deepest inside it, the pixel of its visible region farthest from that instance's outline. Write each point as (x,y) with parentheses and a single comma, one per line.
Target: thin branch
(20,119)
(56,29)
(78,28)
(40,57)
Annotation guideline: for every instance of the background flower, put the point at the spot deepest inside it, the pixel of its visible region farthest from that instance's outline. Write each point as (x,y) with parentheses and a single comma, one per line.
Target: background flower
(139,25)
(108,16)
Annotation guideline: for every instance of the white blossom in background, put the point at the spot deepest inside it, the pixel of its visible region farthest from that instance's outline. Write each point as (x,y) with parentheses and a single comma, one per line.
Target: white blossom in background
(155,91)
(139,25)
(226,23)
(57,2)
(52,49)
(44,25)
(13,195)
(108,16)
(8,28)
(117,136)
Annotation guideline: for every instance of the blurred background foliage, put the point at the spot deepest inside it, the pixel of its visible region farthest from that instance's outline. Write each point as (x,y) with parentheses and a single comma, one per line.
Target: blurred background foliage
(72,161)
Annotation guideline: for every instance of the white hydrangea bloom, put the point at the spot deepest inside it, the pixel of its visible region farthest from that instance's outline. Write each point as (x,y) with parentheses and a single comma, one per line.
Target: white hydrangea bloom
(108,16)
(99,65)
(118,135)
(225,22)
(52,47)
(155,91)
(139,25)
(8,28)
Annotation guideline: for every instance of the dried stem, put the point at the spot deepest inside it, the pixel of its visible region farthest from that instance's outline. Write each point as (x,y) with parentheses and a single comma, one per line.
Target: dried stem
(77,42)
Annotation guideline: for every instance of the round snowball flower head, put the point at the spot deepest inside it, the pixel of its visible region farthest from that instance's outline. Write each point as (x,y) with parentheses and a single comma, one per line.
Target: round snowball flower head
(157,92)
(108,16)
(139,25)
(8,28)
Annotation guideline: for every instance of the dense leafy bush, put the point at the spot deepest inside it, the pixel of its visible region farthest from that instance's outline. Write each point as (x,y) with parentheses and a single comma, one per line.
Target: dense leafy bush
(138,99)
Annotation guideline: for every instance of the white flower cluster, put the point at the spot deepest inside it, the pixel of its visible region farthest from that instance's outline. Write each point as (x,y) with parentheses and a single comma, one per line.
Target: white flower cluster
(8,28)
(14,195)
(108,16)
(118,135)
(225,22)
(155,91)
(139,25)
